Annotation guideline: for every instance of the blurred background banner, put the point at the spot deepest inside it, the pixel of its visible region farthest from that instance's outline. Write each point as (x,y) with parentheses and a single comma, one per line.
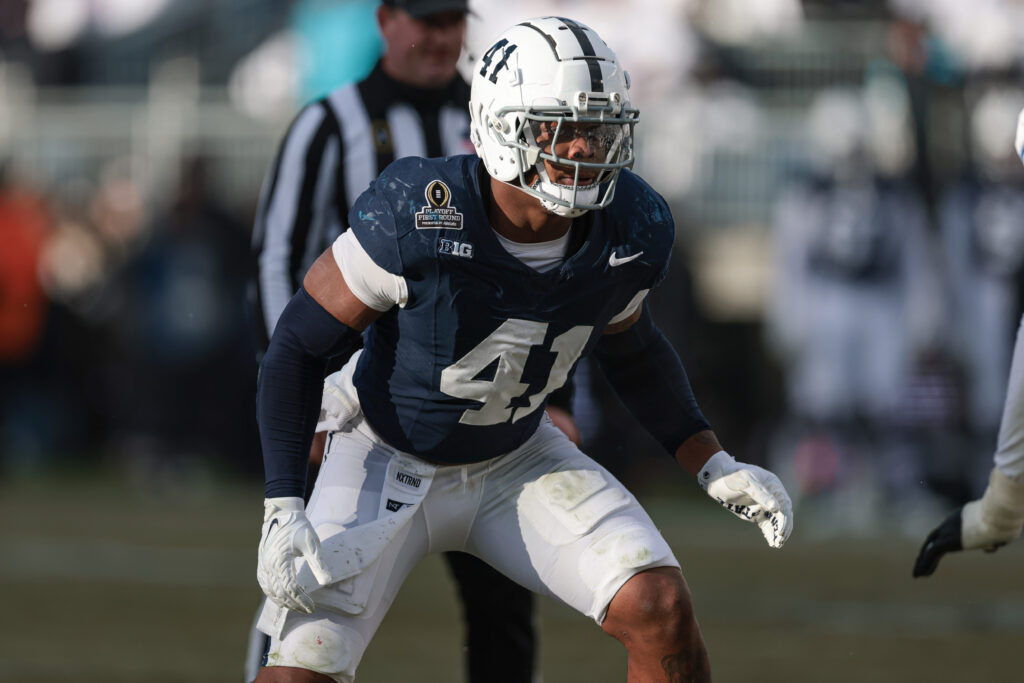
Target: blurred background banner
(844,294)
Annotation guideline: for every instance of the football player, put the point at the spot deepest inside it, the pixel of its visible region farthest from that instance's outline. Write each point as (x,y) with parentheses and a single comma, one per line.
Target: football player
(996,518)
(481,281)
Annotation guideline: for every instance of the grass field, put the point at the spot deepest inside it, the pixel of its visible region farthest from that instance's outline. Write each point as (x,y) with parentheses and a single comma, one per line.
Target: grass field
(100,583)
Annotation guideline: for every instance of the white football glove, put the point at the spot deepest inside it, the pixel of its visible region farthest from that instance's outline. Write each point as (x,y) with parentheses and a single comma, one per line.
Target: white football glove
(751,493)
(287,535)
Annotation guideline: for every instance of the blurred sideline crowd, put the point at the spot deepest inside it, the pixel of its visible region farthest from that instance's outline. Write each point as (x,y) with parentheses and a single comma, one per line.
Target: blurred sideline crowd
(850,236)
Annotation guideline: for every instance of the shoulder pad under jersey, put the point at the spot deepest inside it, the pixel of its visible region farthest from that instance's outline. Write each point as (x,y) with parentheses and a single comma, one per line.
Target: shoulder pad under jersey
(396,220)
(643,218)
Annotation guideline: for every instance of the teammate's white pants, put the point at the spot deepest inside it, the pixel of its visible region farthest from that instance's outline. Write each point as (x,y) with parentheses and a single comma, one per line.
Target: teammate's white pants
(546,515)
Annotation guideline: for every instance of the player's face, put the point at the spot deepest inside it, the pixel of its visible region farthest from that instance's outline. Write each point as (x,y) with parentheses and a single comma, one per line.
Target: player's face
(579,142)
(421,52)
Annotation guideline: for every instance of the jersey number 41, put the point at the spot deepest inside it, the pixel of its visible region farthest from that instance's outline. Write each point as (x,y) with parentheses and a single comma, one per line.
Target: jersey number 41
(510,345)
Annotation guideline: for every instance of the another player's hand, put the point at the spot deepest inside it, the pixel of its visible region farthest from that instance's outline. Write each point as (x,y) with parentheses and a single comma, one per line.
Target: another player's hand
(988,523)
(751,493)
(287,535)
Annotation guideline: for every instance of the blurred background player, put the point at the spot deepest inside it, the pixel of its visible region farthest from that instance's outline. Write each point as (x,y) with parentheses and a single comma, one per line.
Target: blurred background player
(996,518)
(413,103)
(851,312)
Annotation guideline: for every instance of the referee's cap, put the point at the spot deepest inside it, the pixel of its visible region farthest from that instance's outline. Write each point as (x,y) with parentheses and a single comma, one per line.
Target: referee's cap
(424,8)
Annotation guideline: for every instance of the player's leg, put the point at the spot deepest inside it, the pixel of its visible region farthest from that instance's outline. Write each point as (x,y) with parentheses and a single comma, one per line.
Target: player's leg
(498,621)
(558,523)
(287,674)
(652,616)
(371,523)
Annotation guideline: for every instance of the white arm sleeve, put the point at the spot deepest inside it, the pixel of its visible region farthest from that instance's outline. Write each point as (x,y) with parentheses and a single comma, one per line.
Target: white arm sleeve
(374,286)
(1010,451)
(631,307)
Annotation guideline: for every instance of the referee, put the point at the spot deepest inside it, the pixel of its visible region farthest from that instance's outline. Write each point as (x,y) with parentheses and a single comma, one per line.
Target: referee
(413,103)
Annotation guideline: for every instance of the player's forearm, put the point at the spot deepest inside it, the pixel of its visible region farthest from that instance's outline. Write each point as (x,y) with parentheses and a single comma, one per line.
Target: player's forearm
(649,378)
(290,389)
(697,450)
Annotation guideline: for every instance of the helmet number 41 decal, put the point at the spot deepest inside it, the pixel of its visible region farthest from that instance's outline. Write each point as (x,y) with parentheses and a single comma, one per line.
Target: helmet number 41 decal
(486,60)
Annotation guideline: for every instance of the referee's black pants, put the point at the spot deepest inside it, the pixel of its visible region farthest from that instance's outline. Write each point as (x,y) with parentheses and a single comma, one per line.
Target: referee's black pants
(498,613)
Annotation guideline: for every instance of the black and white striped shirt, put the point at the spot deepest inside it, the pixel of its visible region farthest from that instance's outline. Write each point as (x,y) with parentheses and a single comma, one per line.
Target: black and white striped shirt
(331,152)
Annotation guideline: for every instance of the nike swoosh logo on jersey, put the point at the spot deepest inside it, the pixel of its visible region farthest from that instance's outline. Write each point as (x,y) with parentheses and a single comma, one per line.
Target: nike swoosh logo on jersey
(614,260)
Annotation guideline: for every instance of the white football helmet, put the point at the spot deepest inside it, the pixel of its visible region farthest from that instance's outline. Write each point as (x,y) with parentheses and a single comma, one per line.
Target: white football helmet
(544,81)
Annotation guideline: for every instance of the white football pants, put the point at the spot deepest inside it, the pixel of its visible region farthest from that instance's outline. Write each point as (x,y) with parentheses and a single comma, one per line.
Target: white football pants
(545,515)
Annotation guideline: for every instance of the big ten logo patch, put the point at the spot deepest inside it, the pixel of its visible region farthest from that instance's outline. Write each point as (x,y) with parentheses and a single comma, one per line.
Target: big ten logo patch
(463,249)
(438,214)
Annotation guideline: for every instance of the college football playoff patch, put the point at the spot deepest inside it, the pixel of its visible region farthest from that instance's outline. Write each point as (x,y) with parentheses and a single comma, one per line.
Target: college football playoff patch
(437,214)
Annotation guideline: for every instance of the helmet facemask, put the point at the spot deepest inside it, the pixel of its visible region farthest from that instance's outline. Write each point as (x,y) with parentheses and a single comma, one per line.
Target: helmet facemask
(536,132)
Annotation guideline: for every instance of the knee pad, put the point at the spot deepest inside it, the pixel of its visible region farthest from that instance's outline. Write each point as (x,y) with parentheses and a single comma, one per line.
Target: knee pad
(614,538)
(618,556)
(320,645)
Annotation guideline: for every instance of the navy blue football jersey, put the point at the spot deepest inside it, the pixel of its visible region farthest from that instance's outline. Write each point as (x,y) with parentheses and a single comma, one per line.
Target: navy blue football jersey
(462,372)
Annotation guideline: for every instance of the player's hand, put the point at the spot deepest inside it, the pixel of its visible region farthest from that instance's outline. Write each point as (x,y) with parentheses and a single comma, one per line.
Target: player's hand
(751,493)
(287,535)
(989,523)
